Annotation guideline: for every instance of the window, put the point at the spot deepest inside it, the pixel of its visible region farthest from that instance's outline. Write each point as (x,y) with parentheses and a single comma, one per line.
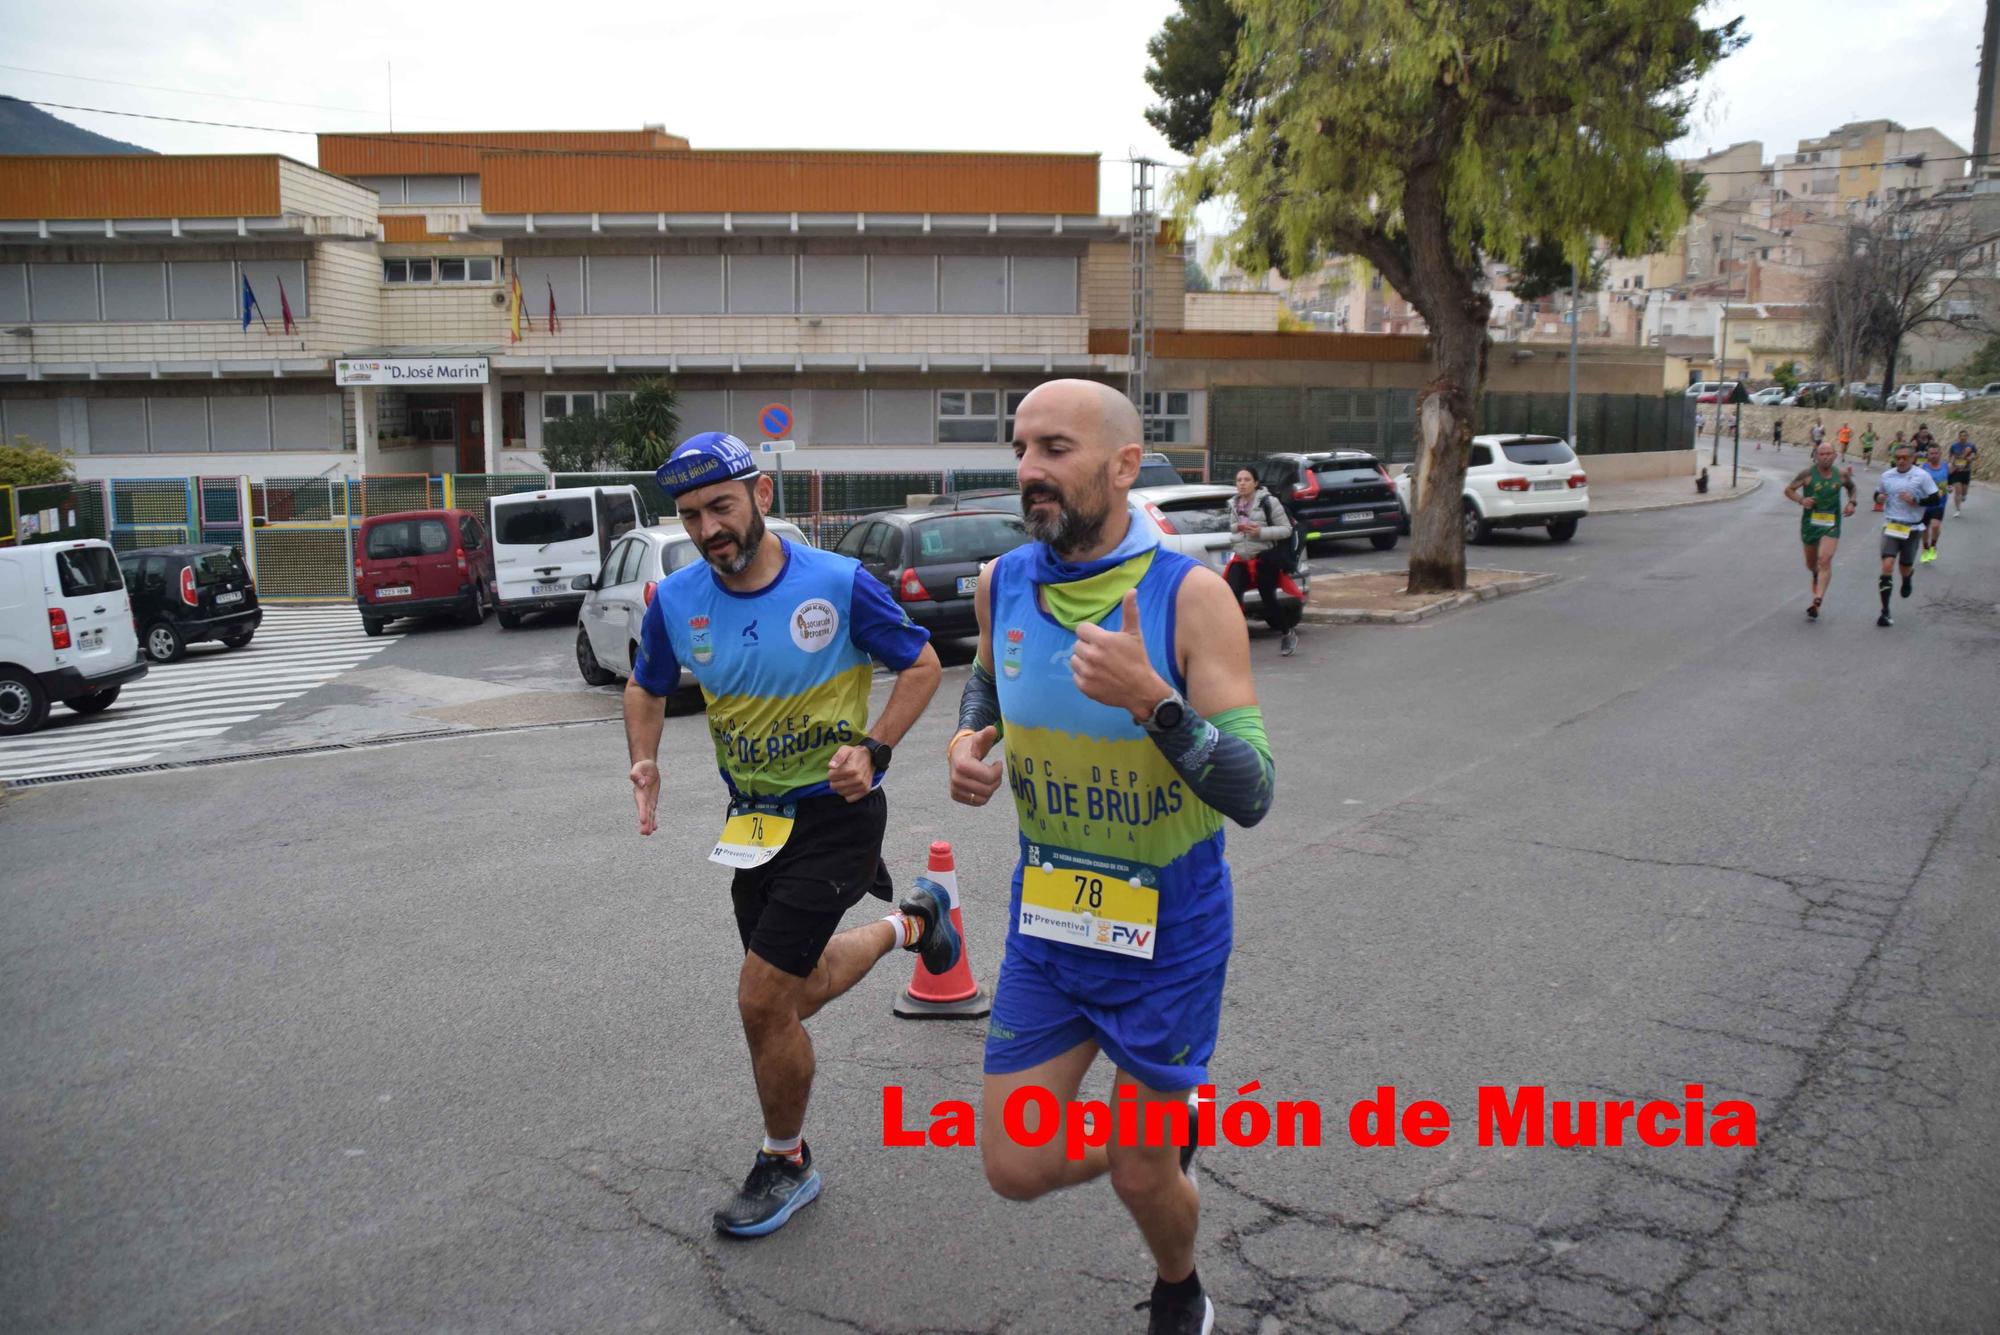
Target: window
(408,537)
(88,570)
(852,541)
(537,523)
(612,572)
(448,268)
(582,403)
(968,416)
(1013,399)
(614,397)
(616,512)
(634,563)
(1479,457)
(1167,418)
(469,534)
(217,566)
(966,539)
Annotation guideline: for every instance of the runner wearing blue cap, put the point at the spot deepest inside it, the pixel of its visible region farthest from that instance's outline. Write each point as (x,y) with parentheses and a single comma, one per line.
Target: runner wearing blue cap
(781,637)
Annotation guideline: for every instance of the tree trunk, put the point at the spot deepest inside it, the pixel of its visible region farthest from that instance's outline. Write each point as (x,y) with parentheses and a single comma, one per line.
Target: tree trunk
(1889,367)
(1445,416)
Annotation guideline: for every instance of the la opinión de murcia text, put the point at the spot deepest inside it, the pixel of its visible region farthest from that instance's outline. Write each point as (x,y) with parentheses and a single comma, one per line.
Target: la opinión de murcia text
(1503,1115)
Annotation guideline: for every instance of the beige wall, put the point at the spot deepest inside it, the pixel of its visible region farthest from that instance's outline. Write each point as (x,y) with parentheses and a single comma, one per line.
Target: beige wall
(1254,312)
(1107,285)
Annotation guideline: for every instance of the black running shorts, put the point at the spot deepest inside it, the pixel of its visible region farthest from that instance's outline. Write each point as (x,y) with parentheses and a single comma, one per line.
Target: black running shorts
(1905,549)
(789,908)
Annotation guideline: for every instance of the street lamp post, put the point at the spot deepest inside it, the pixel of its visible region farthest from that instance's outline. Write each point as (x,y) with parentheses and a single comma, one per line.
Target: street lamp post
(1722,353)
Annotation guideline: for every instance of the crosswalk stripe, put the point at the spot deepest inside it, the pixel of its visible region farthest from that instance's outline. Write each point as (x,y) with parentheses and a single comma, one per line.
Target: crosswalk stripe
(203,695)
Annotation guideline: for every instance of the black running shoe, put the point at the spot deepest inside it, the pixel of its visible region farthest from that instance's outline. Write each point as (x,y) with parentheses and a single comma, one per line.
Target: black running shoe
(1812,613)
(1907,577)
(1171,1315)
(1885,620)
(776,1190)
(931,904)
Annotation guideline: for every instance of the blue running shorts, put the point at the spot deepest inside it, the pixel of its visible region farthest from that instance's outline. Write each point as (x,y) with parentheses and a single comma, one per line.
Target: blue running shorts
(1163,1032)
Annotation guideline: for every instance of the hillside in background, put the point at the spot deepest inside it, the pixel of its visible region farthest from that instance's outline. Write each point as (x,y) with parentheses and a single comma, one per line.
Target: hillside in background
(25,128)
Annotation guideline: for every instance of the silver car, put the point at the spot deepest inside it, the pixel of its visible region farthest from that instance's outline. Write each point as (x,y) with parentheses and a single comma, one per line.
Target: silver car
(617,596)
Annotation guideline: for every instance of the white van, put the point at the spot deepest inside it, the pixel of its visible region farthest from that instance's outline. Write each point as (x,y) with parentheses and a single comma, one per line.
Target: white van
(66,631)
(544,539)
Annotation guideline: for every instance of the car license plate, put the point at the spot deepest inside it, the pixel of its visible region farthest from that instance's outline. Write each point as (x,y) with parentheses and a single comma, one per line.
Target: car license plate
(233,597)
(399,591)
(1361,518)
(968,585)
(1552,484)
(547,588)
(90,639)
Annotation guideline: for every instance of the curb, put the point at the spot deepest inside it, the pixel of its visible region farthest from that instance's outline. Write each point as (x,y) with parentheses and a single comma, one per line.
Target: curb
(1353,616)
(1754,484)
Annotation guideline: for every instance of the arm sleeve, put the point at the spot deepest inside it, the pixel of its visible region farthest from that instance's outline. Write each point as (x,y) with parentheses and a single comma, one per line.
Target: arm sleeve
(657,671)
(1227,761)
(879,627)
(979,706)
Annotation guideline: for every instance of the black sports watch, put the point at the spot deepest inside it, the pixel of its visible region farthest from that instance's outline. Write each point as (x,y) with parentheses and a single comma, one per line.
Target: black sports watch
(879,752)
(1167,715)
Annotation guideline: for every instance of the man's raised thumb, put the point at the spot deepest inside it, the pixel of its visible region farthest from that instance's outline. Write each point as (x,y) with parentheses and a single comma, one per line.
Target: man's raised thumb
(982,741)
(1129,622)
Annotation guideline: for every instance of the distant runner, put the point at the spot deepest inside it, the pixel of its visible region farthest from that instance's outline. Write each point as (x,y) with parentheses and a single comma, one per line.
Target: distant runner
(1868,446)
(1964,454)
(1818,489)
(1940,471)
(1846,435)
(1777,434)
(1907,491)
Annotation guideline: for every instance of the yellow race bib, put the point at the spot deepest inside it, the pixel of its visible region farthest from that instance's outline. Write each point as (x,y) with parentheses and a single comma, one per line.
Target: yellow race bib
(1823,518)
(752,836)
(1084,899)
(1896,531)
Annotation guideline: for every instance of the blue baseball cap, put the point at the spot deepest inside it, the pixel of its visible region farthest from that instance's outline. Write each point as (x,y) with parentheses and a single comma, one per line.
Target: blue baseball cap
(704,460)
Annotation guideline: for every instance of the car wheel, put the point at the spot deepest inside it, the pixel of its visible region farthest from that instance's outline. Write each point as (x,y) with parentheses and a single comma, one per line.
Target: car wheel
(370,626)
(594,673)
(96,702)
(238,641)
(1383,541)
(509,620)
(1475,525)
(23,702)
(1562,530)
(163,643)
(474,612)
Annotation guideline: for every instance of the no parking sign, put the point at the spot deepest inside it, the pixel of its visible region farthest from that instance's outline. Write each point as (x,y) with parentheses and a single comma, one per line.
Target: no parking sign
(774,420)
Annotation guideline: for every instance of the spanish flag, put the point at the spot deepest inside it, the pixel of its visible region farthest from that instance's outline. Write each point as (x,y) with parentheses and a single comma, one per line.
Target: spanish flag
(515,306)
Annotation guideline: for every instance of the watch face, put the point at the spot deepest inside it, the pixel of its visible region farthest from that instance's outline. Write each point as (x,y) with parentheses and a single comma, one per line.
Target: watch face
(1168,714)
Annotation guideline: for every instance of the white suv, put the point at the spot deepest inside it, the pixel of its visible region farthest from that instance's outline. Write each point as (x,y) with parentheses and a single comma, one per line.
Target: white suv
(1516,482)
(616,597)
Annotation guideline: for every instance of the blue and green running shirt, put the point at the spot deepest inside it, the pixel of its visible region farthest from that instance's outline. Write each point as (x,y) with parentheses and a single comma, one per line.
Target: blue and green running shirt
(1095,795)
(785,670)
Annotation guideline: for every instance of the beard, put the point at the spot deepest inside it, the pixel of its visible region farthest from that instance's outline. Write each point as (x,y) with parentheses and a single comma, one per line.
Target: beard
(747,544)
(1079,519)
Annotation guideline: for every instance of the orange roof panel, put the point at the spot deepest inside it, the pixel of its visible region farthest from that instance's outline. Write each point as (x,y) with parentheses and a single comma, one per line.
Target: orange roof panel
(457,152)
(132,186)
(754,181)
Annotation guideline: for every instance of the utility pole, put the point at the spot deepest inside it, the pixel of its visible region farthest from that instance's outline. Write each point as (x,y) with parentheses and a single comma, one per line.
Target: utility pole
(1572,354)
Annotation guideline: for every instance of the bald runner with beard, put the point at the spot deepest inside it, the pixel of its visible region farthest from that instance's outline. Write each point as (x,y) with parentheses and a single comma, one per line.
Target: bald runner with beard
(1118,674)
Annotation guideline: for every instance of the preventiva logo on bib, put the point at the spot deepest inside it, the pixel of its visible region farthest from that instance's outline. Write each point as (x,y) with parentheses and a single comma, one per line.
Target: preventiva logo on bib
(814,624)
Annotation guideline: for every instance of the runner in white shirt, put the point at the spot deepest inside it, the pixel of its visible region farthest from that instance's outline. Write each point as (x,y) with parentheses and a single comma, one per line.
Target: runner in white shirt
(1906,490)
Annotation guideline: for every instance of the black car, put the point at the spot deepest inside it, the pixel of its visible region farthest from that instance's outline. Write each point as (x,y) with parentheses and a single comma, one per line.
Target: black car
(1335,494)
(930,559)
(183,595)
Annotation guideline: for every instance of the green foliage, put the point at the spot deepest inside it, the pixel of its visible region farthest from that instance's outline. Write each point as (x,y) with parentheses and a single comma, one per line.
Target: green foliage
(28,464)
(1787,376)
(1508,120)
(646,427)
(579,444)
(1543,270)
(1197,278)
(636,435)
(1985,363)
(1192,57)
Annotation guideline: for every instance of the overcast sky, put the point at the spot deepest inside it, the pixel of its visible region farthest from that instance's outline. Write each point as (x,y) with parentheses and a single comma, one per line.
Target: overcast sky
(1055,75)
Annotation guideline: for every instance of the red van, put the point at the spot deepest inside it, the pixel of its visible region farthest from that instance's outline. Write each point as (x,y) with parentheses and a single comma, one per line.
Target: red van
(422,563)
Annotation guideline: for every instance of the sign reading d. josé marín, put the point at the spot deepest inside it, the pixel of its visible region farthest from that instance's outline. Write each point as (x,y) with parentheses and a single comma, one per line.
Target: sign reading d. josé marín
(410,371)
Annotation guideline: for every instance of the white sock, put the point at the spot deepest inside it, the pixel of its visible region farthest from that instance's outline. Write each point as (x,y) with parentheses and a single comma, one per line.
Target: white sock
(905,938)
(789,1146)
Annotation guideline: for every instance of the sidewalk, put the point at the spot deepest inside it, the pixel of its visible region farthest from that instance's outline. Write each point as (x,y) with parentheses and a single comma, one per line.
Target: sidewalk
(1664,493)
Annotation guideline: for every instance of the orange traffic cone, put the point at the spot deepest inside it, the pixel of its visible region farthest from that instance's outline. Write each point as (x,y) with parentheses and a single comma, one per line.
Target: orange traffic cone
(951,995)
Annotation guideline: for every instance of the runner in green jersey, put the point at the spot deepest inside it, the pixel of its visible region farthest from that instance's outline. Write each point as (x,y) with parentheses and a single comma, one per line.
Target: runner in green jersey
(1816,490)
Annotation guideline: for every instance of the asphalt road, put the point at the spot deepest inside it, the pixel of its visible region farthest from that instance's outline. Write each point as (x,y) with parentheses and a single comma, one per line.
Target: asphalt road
(424,1037)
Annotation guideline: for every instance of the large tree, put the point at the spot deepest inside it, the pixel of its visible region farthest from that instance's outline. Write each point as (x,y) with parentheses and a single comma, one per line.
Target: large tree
(1426,135)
